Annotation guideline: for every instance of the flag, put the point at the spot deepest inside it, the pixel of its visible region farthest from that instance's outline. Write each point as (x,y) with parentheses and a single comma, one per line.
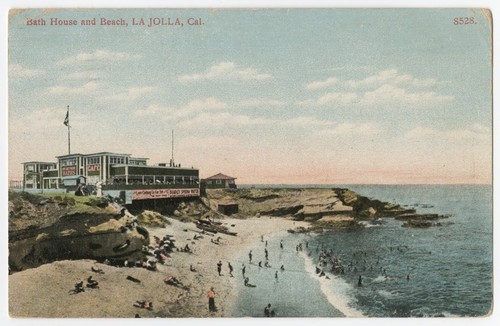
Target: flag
(66,120)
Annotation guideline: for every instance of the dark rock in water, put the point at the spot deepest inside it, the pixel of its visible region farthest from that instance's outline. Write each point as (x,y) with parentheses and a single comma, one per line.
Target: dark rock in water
(417,224)
(422,217)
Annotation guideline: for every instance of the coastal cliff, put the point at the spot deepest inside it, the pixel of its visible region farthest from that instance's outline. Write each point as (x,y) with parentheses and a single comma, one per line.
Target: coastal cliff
(46,229)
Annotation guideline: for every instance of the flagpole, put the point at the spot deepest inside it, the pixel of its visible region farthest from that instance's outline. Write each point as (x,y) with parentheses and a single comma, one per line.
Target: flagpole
(69,135)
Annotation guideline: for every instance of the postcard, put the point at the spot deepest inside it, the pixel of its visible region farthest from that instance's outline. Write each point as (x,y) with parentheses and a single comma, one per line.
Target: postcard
(263,163)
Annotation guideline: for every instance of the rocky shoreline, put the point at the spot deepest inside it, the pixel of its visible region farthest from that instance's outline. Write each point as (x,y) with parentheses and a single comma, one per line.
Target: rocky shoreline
(48,228)
(68,236)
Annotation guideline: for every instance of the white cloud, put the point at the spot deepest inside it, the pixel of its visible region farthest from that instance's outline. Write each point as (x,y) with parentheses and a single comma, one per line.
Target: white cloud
(352,68)
(150,110)
(306,122)
(332,98)
(222,119)
(226,70)
(389,94)
(87,74)
(19,71)
(131,94)
(261,103)
(200,105)
(473,132)
(391,76)
(196,106)
(323,83)
(386,94)
(336,97)
(352,129)
(381,77)
(88,87)
(97,56)
(191,108)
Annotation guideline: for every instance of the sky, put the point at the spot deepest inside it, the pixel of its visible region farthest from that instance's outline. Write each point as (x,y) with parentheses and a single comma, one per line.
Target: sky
(275,96)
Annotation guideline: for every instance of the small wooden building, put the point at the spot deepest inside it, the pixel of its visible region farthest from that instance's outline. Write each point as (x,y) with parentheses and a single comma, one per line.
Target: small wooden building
(220,181)
(227,208)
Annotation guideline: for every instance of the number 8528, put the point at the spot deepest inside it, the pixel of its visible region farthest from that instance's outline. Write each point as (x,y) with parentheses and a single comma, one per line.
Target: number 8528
(464,21)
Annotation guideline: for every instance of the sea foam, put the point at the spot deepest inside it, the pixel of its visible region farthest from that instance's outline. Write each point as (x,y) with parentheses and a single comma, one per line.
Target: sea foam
(335,290)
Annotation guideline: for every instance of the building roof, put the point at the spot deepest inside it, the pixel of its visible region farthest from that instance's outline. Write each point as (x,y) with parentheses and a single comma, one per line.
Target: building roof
(220,176)
(94,154)
(69,155)
(39,162)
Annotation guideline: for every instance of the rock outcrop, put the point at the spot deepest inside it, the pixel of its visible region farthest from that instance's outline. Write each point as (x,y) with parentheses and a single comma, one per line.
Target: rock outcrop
(324,208)
(364,207)
(43,230)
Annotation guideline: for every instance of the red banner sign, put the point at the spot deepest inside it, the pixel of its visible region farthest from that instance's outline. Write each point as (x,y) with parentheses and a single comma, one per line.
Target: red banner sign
(67,171)
(164,193)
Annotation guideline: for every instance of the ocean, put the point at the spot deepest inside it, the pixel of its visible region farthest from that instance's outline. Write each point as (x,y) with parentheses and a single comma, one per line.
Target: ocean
(406,272)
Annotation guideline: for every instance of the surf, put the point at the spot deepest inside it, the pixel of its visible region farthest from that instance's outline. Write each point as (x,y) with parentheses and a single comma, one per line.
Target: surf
(334,289)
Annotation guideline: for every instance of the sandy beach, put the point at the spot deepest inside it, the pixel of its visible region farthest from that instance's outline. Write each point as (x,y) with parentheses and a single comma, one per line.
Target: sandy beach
(116,294)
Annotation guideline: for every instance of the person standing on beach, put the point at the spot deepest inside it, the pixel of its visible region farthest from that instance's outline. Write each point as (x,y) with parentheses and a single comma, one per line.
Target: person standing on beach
(211,300)
(230,268)
(250,256)
(281,244)
(267,253)
(243,269)
(276,275)
(219,267)
(267,311)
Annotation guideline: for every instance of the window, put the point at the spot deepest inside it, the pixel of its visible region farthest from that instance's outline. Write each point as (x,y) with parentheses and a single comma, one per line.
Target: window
(219,182)
(30,168)
(46,167)
(137,162)
(68,161)
(93,160)
(116,160)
